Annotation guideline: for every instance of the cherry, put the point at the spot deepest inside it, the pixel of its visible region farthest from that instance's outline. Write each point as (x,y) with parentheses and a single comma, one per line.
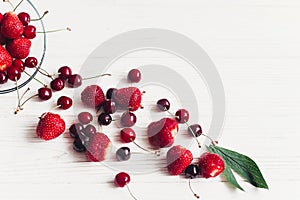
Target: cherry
(64,102)
(191,171)
(1,17)
(57,84)
(29,32)
(123,154)
(78,145)
(64,72)
(122,179)
(13,73)
(85,117)
(19,64)
(128,119)
(3,77)
(134,75)
(104,119)
(75,81)
(31,62)
(89,130)
(109,106)
(163,104)
(195,130)
(127,135)
(24,18)
(182,116)
(44,93)
(110,93)
(75,130)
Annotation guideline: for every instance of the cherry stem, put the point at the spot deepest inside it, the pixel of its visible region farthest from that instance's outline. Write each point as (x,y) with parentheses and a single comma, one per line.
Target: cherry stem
(96,76)
(157,153)
(22,96)
(195,195)
(36,79)
(18,96)
(57,30)
(18,5)
(27,100)
(7,1)
(131,194)
(45,13)
(44,72)
(213,142)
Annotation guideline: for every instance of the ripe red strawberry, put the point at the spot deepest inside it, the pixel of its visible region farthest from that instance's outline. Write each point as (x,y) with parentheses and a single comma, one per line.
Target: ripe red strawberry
(128,98)
(211,165)
(92,96)
(98,147)
(1,17)
(5,59)
(19,48)
(11,26)
(50,126)
(162,133)
(178,158)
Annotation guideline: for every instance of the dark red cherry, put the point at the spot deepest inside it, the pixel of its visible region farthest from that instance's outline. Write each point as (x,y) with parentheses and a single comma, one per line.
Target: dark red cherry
(75,130)
(163,104)
(31,62)
(134,75)
(122,179)
(89,130)
(104,119)
(13,73)
(64,72)
(64,102)
(127,135)
(75,81)
(3,77)
(24,18)
(44,93)
(128,119)
(195,130)
(29,32)
(109,106)
(182,116)
(85,117)
(19,64)
(110,93)
(57,84)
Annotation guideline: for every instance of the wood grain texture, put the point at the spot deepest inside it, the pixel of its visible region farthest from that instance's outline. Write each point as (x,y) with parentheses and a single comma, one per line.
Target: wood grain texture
(256,48)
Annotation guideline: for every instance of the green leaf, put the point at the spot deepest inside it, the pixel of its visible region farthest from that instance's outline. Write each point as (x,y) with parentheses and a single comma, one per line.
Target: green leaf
(227,172)
(242,165)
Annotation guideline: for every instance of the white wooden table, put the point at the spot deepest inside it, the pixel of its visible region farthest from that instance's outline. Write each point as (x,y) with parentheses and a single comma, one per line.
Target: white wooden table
(255,46)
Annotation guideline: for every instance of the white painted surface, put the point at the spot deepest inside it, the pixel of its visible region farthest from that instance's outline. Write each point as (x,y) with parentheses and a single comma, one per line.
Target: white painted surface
(256,48)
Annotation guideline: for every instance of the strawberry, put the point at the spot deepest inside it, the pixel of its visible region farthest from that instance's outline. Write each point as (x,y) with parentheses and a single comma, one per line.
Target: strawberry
(50,126)
(128,98)
(1,17)
(178,158)
(5,59)
(11,26)
(92,96)
(19,48)
(162,133)
(97,147)
(211,165)
(2,39)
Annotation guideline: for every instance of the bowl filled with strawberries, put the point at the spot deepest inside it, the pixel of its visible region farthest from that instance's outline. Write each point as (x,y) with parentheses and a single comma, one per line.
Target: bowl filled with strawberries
(23,44)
